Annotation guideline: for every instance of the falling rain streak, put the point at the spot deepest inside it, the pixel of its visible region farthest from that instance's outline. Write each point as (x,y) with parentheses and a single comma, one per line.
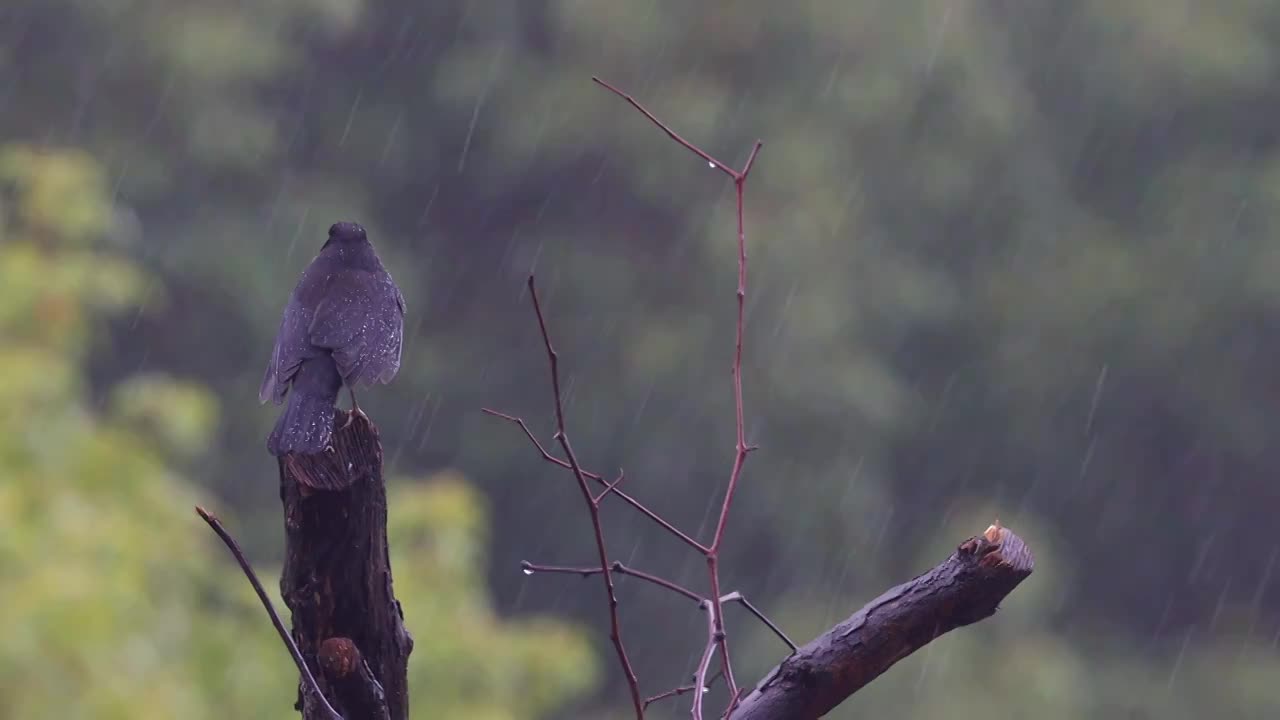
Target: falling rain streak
(1006,260)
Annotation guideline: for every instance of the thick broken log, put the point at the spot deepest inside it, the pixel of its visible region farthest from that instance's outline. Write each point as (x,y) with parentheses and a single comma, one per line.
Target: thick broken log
(965,588)
(337,579)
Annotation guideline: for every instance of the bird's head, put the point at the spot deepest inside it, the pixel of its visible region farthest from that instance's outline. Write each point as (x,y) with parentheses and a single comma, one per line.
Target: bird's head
(346,233)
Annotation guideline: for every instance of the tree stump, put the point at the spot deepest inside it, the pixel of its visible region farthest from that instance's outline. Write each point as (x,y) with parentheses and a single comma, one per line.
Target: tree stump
(337,578)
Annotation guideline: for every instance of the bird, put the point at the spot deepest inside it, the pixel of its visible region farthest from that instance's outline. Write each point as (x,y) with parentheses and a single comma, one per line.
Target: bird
(343,326)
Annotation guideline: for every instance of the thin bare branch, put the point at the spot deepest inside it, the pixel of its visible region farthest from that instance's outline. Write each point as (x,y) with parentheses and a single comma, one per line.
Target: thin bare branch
(599,479)
(751,160)
(700,677)
(714,163)
(677,692)
(609,488)
(532,568)
(737,597)
(615,628)
(234,547)
(741,447)
(717,637)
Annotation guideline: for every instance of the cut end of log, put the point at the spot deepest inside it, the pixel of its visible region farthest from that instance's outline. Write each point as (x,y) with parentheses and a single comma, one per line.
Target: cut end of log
(338,467)
(999,547)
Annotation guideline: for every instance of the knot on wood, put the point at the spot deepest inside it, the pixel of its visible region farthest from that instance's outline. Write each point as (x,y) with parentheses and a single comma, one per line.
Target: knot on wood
(339,657)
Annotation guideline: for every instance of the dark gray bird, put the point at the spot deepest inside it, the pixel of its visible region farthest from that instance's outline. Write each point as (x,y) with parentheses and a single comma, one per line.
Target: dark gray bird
(344,325)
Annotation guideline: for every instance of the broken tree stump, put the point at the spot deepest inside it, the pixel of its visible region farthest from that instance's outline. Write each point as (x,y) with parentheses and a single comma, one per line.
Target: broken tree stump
(337,577)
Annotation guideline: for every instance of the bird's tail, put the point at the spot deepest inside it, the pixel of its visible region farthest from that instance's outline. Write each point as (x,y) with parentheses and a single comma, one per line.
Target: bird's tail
(305,426)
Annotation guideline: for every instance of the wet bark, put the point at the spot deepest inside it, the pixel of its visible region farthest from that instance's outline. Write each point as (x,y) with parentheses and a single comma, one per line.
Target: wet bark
(337,578)
(965,588)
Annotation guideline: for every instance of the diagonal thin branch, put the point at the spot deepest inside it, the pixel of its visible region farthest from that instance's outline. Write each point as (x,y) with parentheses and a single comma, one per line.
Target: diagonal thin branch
(751,161)
(609,488)
(677,692)
(599,479)
(737,597)
(615,629)
(234,547)
(531,568)
(666,129)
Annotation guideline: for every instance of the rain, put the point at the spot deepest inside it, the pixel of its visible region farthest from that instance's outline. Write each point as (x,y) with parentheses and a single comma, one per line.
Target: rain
(1007,266)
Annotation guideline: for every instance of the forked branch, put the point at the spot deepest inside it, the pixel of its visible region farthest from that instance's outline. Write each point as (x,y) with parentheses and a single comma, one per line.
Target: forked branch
(813,679)
(717,638)
(598,479)
(712,551)
(593,506)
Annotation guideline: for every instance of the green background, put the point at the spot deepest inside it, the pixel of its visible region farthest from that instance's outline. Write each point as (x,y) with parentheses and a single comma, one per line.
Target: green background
(1009,259)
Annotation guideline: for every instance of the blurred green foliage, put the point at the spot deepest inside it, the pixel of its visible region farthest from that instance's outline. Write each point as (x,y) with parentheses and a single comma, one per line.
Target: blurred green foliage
(1013,258)
(117,602)
(468,663)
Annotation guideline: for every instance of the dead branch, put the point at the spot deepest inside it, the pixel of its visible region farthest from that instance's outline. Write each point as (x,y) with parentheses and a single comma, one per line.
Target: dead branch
(677,692)
(598,479)
(593,508)
(815,678)
(337,575)
(308,679)
(617,567)
(717,638)
(965,588)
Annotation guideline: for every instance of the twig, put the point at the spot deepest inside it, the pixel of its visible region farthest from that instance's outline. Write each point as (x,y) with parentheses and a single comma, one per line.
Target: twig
(531,568)
(714,163)
(677,692)
(609,488)
(716,636)
(700,677)
(740,448)
(615,629)
(737,597)
(712,552)
(656,518)
(231,544)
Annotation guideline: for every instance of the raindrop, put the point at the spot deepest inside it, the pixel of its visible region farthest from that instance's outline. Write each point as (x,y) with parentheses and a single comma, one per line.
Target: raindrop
(705,689)
(527,571)
(711,165)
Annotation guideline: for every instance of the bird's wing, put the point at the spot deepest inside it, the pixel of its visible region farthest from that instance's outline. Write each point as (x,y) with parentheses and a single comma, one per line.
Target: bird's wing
(291,348)
(361,320)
